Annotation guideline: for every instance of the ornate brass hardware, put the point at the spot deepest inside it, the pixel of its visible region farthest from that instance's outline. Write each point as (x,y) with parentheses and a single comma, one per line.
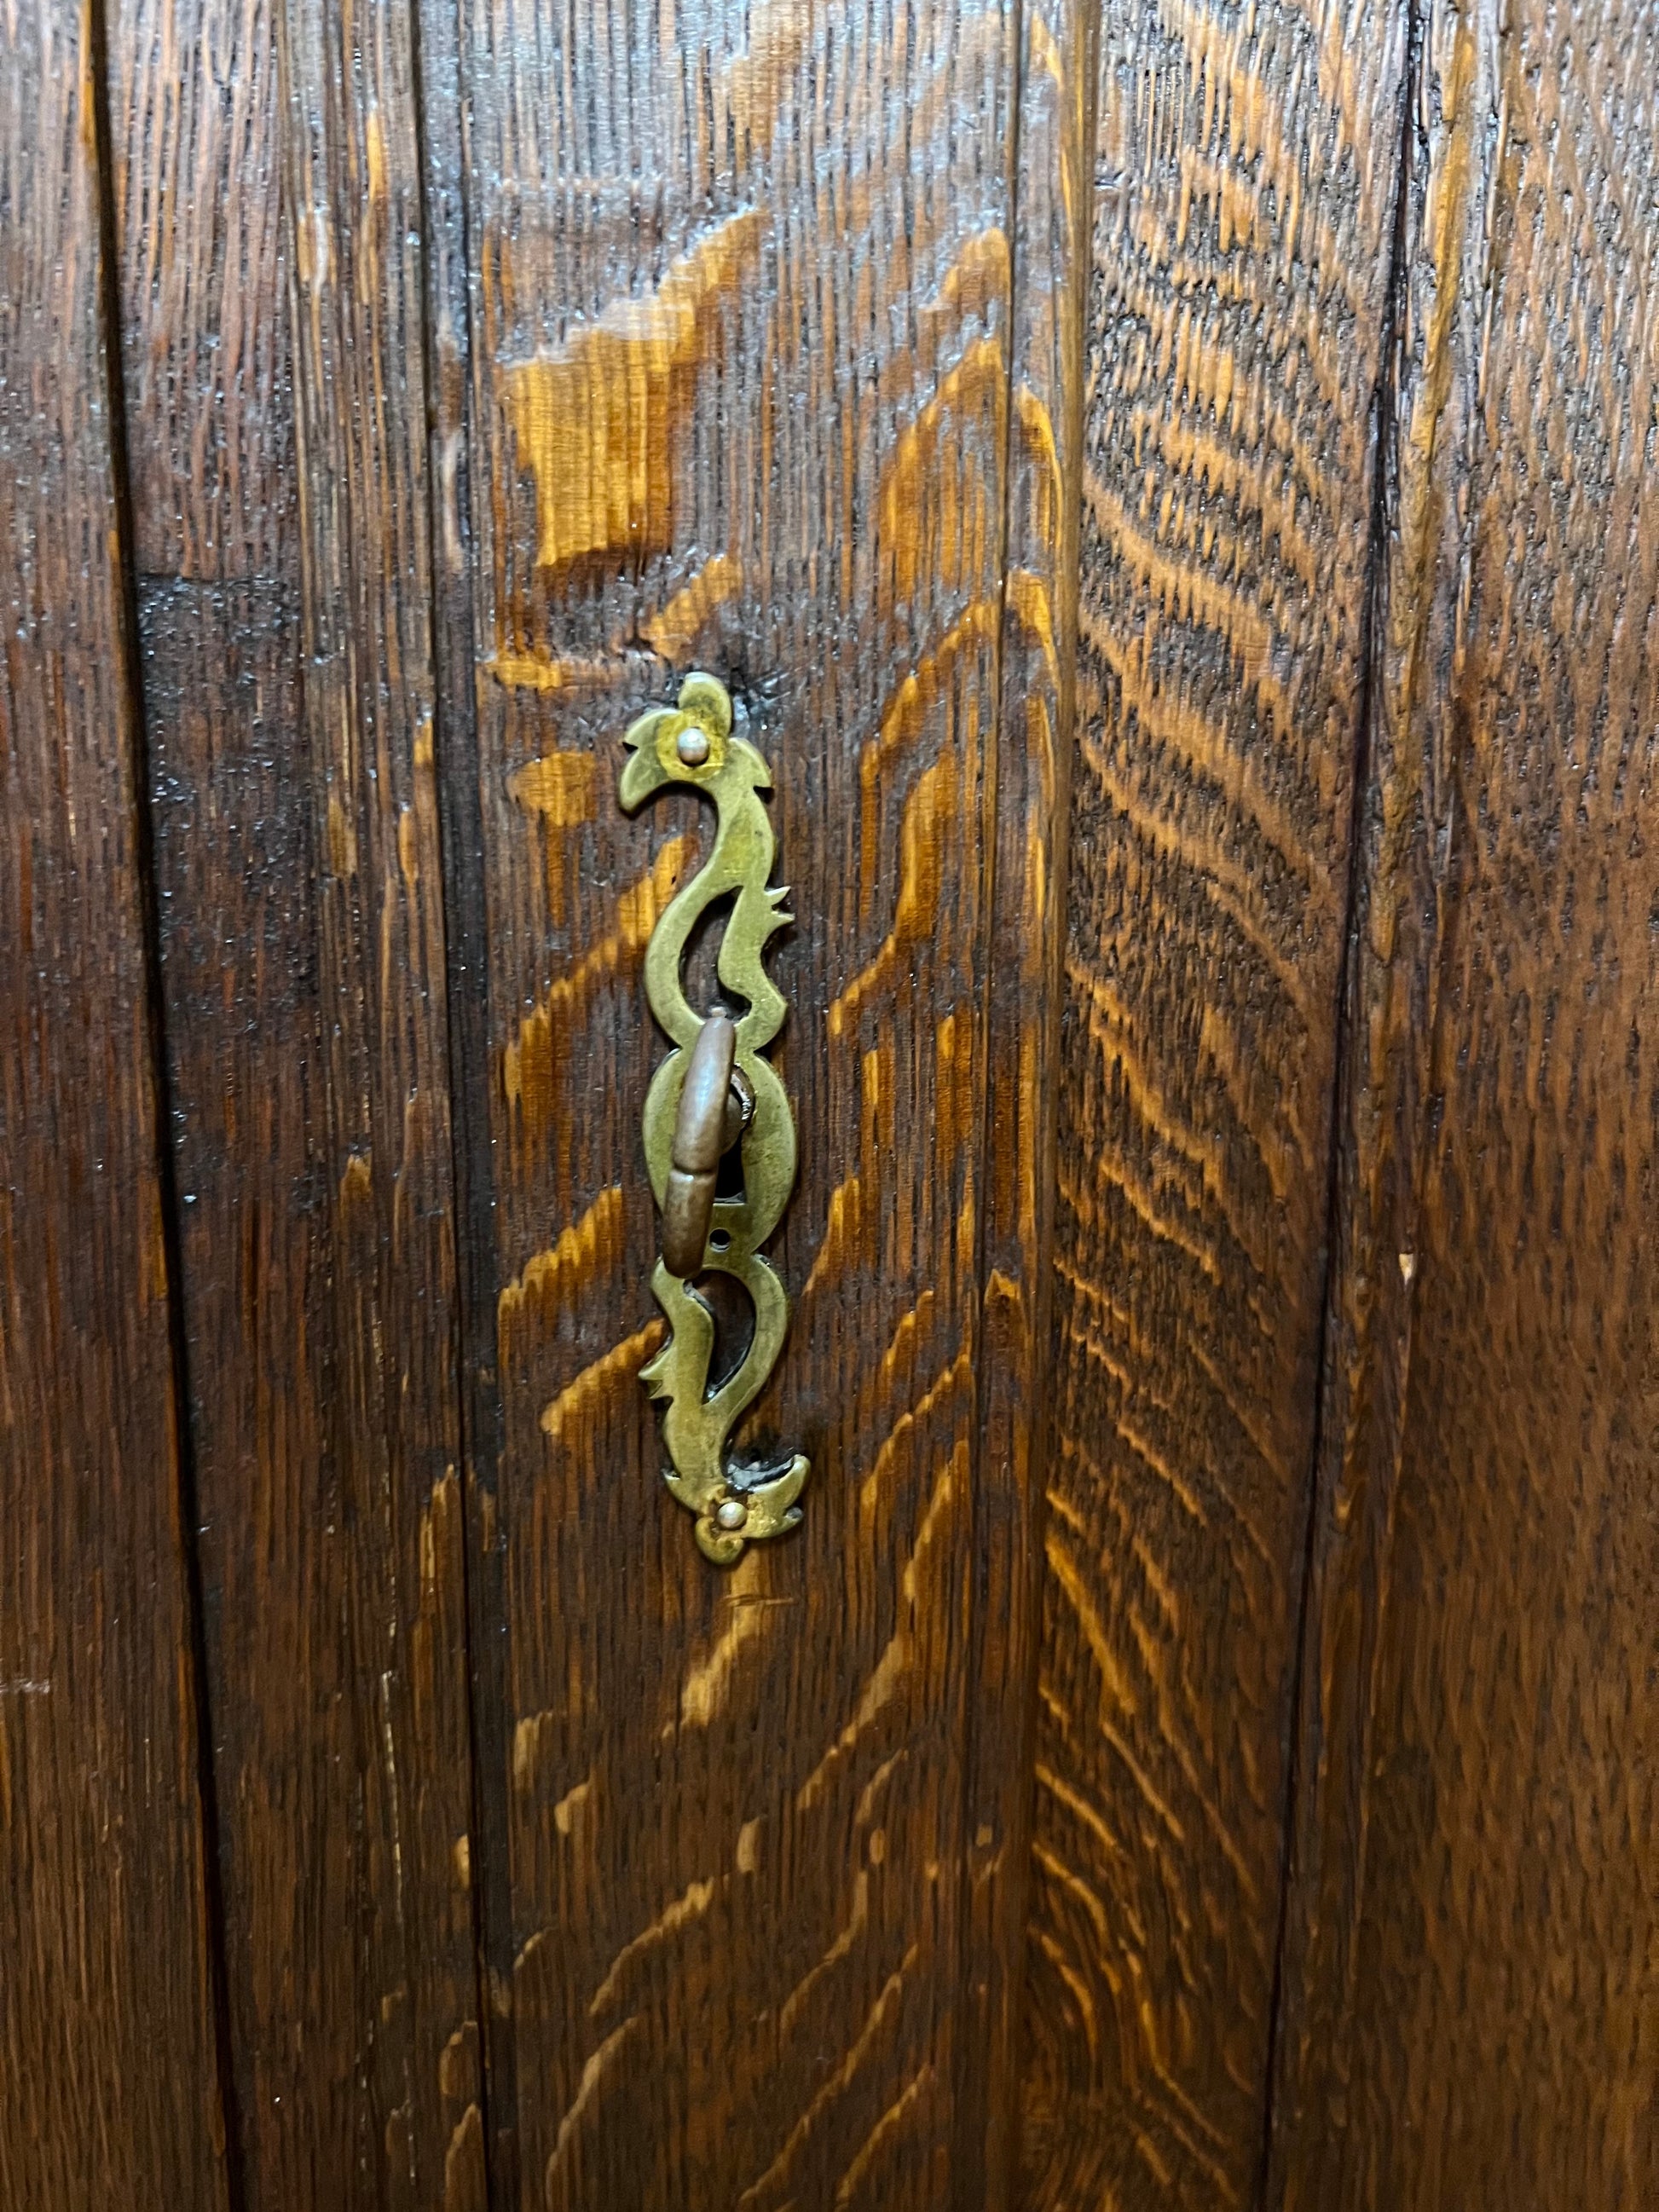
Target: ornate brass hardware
(710,1121)
(714,1090)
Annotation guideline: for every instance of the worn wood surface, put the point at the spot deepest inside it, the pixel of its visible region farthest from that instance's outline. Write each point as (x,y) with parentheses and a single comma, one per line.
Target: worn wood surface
(1470,2016)
(454,552)
(328,1489)
(740,339)
(1053,208)
(109,2081)
(1245,198)
(204,355)
(767,338)
(350,143)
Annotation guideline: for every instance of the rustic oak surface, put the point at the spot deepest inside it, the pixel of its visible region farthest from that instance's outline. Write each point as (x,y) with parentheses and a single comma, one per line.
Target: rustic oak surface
(1054,212)
(335,1622)
(480,368)
(205,353)
(1470,2016)
(739,334)
(1243,209)
(357,299)
(109,2088)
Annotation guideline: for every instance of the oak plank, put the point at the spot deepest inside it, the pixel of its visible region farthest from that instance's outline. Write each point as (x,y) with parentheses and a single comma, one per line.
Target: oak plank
(334,1628)
(350,150)
(204,355)
(1054,224)
(109,2071)
(1244,192)
(1469,2016)
(739,341)
(450,385)
(206,341)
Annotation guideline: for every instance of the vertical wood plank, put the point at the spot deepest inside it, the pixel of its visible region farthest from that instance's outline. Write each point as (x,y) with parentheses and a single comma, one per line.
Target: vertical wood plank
(1053,210)
(741,343)
(1468,2013)
(108,2068)
(328,1485)
(352,174)
(1244,196)
(205,352)
(450,384)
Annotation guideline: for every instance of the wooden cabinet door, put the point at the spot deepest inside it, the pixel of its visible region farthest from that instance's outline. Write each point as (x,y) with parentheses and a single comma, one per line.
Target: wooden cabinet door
(1165,491)
(741,366)
(452,380)
(1343,1889)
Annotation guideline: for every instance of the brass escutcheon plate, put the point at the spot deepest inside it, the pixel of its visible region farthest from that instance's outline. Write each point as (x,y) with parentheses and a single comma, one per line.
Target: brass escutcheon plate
(693,744)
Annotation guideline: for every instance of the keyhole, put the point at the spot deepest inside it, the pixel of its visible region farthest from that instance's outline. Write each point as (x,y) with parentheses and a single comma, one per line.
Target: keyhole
(734,1321)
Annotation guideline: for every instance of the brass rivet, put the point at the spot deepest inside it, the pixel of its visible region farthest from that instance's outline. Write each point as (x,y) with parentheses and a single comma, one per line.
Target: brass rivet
(731,1513)
(692,745)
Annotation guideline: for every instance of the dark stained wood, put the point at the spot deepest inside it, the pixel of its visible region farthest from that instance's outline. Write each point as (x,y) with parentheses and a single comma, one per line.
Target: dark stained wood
(109,2081)
(740,333)
(205,352)
(240,973)
(330,1493)
(812,344)
(1244,196)
(206,346)
(352,190)
(1054,224)
(454,553)
(1469,2003)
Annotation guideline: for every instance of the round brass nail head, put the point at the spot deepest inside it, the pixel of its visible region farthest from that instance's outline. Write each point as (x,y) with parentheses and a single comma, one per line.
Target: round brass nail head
(692,745)
(731,1513)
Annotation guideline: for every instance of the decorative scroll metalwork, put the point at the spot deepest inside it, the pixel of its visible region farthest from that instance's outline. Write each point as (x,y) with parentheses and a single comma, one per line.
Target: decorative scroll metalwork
(693,743)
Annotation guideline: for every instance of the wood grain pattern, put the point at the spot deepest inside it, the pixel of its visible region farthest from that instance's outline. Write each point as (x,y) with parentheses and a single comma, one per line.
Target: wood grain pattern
(1244,196)
(205,346)
(740,341)
(329,1492)
(356,300)
(1470,2017)
(1053,208)
(109,2087)
(449,385)
(458,421)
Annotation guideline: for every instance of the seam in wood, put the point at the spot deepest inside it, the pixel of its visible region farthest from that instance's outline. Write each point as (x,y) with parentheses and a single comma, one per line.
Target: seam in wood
(1384,466)
(198,1716)
(460,899)
(1028,29)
